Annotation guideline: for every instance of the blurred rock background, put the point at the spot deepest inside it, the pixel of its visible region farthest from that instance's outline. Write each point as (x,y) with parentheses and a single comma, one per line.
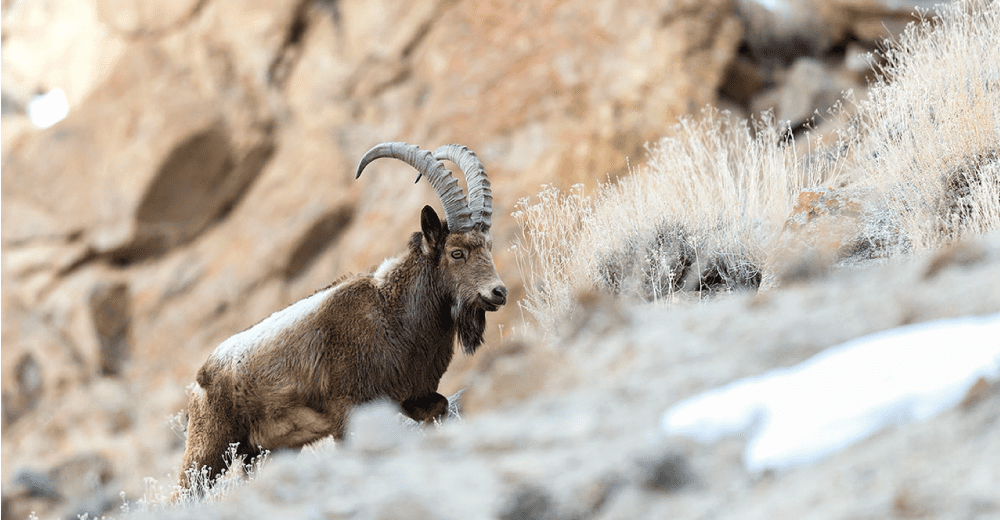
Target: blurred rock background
(203,177)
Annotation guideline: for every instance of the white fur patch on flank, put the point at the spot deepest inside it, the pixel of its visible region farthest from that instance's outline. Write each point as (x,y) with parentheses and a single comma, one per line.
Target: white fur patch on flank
(238,345)
(387,266)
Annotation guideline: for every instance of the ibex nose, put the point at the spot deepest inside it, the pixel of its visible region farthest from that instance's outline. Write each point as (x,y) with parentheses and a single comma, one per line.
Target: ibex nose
(499,295)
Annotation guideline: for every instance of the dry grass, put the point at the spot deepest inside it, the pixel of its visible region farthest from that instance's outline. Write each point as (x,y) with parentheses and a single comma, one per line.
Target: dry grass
(202,489)
(715,193)
(929,143)
(925,147)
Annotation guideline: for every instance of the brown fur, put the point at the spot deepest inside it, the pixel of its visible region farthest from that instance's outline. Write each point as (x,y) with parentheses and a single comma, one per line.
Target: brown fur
(388,336)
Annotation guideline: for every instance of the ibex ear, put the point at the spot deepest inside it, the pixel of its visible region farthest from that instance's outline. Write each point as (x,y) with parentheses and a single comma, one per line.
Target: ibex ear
(430,224)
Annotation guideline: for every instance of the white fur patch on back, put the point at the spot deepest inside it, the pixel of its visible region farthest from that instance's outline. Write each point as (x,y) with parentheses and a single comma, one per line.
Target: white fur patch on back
(261,334)
(385,268)
(195,390)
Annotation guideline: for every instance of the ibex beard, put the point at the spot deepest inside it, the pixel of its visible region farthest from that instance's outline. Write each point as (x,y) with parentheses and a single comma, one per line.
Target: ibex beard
(292,378)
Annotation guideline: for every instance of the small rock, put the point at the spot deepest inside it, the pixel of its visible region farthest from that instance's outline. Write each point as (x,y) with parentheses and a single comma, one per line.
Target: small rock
(597,494)
(93,507)
(665,474)
(816,203)
(908,504)
(859,60)
(875,21)
(823,226)
(959,254)
(29,382)
(779,30)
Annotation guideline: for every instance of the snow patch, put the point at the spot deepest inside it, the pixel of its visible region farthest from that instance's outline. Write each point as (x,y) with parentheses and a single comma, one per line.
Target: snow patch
(800,414)
(47,109)
(234,348)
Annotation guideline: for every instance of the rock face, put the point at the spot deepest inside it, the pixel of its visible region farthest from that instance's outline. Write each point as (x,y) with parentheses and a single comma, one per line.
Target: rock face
(203,177)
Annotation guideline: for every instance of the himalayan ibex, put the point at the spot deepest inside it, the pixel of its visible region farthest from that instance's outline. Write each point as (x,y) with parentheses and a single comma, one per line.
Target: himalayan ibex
(292,378)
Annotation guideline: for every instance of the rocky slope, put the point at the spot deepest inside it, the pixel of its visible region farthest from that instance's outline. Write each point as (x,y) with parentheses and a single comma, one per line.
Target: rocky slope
(583,438)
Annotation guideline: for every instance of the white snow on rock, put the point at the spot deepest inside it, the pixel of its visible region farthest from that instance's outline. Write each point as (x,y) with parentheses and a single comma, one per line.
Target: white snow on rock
(800,414)
(47,109)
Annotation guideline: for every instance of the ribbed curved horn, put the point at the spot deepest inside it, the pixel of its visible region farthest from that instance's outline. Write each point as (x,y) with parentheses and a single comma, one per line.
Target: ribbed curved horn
(480,194)
(456,210)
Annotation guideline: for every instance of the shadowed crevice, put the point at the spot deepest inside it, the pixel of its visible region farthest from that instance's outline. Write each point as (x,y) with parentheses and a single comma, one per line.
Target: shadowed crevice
(291,48)
(199,183)
(324,233)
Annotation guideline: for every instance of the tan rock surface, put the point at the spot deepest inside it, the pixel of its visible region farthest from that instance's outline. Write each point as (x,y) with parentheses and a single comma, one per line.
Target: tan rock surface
(56,44)
(203,178)
(137,18)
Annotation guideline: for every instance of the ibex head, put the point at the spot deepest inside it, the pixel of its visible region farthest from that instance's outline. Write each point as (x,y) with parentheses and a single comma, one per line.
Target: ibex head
(461,247)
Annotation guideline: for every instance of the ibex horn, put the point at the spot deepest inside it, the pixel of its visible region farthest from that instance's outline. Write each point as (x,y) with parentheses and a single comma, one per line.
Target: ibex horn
(456,210)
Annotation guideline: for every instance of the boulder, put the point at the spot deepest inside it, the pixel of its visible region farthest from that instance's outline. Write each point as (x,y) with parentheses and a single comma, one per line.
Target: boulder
(808,88)
(822,228)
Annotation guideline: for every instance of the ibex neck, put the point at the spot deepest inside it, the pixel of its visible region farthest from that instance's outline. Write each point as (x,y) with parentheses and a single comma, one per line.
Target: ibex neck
(412,285)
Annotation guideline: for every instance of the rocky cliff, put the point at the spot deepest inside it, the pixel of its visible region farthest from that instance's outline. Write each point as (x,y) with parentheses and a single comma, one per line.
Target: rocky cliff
(203,176)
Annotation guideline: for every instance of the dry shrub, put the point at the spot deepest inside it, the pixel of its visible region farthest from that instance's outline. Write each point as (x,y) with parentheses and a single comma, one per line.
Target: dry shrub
(707,208)
(701,215)
(929,146)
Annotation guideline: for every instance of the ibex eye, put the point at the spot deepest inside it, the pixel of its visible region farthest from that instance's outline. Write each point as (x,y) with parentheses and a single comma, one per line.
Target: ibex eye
(457,254)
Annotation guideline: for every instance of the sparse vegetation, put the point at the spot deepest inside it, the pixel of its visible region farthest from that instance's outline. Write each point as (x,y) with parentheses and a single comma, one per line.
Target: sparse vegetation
(201,488)
(701,216)
(929,133)
(705,212)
